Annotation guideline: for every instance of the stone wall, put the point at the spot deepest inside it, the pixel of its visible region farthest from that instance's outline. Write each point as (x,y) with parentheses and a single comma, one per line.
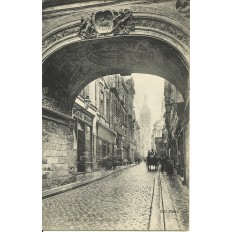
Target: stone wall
(187,154)
(59,157)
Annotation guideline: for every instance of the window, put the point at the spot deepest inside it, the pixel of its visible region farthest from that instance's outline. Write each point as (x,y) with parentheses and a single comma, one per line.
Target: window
(111,148)
(108,109)
(102,96)
(124,99)
(85,91)
(117,141)
(118,113)
(101,106)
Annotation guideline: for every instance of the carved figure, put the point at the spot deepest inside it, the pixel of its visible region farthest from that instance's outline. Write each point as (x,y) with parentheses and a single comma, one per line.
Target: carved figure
(104,21)
(120,22)
(86,27)
(121,17)
(183,6)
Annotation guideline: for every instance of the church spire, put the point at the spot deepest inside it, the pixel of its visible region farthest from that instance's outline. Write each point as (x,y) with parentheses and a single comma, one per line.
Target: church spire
(145,104)
(145,114)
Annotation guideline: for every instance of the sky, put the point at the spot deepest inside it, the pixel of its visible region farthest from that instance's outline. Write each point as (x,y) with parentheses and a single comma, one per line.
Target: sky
(153,86)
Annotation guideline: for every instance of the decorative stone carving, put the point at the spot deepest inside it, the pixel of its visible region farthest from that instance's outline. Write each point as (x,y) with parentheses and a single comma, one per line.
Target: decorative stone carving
(96,25)
(163,26)
(112,22)
(161,11)
(106,22)
(183,6)
(59,35)
(123,22)
(87,29)
(120,29)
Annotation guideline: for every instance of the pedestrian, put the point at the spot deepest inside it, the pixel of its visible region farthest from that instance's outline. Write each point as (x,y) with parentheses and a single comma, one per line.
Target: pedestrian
(163,163)
(156,160)
(114,162)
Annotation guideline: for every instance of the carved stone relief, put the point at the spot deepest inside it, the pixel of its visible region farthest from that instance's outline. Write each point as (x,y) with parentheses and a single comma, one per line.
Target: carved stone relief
(163,26)
(59,35)
(183,7)
(160,11)
(113,23)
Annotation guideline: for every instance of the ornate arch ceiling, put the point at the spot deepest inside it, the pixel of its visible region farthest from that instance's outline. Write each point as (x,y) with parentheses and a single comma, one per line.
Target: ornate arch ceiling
(78,64)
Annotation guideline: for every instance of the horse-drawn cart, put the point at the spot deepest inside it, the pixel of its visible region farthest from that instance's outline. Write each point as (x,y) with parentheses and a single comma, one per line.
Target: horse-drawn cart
(151,161)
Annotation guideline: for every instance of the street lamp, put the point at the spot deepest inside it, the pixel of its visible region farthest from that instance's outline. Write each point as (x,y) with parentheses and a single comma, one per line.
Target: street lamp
(87,102)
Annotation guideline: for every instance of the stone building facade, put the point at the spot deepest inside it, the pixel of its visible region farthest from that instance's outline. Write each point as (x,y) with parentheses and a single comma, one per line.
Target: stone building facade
(103,126)
(138,152)
(157,132)
(174,131)
(122,115)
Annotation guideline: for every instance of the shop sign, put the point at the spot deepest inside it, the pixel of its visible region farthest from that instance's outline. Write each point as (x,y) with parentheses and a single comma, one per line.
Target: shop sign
(83,117)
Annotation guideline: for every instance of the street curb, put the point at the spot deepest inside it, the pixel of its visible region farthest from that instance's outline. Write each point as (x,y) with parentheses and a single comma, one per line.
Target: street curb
(170,215)
(64,188)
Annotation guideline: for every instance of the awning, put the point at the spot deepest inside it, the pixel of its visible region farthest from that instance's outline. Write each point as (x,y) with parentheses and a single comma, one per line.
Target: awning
(106,133)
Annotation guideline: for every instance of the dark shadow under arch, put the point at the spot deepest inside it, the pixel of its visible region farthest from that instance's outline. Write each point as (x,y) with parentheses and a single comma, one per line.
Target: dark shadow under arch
(71,68)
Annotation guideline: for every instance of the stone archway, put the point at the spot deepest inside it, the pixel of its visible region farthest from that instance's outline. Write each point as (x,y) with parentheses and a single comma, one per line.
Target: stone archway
(152,40)
(71,68)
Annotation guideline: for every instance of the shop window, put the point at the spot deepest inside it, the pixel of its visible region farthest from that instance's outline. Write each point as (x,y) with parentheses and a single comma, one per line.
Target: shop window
(108,148)
(111,150)
(112,147)
(88,139)
(104,149)
(99,147)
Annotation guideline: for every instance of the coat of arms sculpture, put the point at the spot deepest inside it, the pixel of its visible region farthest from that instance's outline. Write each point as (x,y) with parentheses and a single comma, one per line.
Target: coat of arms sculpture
(106,22)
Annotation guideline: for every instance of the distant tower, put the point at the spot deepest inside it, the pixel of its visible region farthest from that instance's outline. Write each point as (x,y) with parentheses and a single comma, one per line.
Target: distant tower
(145,126)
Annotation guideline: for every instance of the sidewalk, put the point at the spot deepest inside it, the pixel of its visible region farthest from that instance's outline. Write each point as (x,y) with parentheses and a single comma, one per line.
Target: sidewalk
(170,208)
(82,180)
(175,202)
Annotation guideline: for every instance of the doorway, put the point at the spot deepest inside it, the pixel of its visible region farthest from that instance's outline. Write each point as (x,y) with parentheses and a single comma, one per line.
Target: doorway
(80,146)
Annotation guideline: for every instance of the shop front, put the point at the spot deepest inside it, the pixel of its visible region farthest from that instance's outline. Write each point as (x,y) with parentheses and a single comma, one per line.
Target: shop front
(105,145)
(83,131)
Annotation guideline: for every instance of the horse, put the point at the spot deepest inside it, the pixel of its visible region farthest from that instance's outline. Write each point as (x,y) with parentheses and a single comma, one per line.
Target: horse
(151,161)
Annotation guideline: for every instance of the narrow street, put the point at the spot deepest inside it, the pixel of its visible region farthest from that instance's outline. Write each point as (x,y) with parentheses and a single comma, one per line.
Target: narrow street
(115,92)
(132,199)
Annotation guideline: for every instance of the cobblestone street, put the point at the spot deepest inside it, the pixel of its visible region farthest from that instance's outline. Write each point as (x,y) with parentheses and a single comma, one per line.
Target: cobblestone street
(123,201)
